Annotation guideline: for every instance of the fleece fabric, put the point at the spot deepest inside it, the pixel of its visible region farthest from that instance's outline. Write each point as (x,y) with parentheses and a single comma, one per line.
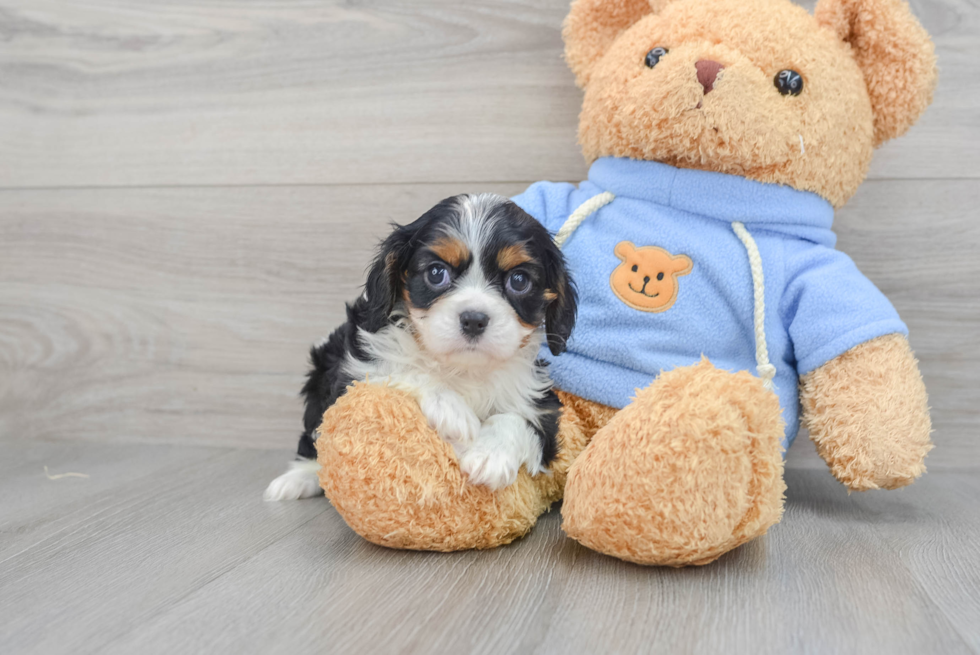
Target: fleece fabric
(818,304)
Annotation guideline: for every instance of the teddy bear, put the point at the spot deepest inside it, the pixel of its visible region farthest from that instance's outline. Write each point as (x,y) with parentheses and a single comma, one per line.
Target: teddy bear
(715,314)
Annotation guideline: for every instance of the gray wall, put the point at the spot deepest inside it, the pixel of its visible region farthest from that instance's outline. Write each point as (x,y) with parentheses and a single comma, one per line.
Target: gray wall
(190,190)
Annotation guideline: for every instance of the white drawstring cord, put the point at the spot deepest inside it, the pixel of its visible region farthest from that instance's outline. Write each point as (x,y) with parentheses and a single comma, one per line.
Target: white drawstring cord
(766,370)
(586,209)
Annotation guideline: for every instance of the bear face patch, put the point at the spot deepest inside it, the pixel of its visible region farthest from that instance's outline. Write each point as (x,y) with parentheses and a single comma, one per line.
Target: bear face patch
(647,277)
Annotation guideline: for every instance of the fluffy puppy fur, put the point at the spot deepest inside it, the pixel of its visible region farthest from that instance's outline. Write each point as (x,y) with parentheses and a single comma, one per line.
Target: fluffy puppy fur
(454,311)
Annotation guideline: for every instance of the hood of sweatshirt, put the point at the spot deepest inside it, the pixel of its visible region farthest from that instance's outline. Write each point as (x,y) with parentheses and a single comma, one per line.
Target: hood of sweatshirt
(800,214)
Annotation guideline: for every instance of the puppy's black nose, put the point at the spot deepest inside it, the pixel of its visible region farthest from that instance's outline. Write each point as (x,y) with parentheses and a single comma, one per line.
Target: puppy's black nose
(473,323)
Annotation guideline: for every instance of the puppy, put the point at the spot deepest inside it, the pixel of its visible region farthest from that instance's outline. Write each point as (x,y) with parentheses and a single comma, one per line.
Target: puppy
(454,311)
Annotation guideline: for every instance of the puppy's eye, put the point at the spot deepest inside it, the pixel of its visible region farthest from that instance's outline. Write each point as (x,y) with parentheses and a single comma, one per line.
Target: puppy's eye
(789,82)
(437,276)
(518,283)
(653,57)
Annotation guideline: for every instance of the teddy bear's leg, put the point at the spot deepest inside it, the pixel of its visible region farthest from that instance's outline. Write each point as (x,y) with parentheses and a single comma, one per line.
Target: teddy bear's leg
(868,413)
(692,468)
(397,484)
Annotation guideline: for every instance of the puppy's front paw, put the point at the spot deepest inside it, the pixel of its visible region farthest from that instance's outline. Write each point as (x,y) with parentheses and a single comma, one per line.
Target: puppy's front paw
(505,442)
(450,416)
(300,481)
(492,468)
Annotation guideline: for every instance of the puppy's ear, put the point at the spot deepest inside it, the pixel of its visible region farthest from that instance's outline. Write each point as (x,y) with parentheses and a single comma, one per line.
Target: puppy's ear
(386,277)
(384,280)
(559,317)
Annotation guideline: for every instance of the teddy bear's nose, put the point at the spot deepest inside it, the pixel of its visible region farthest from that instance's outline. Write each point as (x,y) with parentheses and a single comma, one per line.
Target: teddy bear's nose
(707,72)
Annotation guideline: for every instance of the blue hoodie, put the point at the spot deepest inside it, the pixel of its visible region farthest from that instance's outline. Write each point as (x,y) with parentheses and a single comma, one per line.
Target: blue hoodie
(818,305)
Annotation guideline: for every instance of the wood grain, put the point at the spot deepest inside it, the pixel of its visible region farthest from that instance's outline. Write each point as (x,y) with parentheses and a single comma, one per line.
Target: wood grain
(941,549)
(821,581)
(34,507)
(139,547)
(180,316)
(889,572)
(205,92)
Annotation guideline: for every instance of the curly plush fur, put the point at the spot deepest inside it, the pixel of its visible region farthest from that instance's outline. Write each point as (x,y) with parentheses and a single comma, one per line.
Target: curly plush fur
(868,75)
(693,466)
(689,470)
(407,491)
(868,413)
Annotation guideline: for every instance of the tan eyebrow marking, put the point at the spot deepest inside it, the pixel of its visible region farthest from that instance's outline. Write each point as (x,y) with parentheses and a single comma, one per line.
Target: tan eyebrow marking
(514,255)
(452,251)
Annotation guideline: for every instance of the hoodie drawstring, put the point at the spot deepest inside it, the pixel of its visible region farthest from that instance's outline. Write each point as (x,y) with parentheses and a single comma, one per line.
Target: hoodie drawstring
(586,209)
(766,370)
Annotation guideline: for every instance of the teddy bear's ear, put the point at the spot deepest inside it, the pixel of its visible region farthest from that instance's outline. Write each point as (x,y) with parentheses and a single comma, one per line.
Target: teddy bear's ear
(681,264)
(893,51)
(592,25)
(624,249)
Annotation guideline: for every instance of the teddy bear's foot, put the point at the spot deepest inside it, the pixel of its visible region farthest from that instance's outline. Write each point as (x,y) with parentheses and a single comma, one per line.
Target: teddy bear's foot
(397,484)
(691,469)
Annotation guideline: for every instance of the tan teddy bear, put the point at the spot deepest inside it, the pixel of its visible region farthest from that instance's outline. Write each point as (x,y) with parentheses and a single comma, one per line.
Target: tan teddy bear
(723,134)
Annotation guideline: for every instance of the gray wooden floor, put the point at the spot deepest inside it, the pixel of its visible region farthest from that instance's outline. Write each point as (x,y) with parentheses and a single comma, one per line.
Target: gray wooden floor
(189,190)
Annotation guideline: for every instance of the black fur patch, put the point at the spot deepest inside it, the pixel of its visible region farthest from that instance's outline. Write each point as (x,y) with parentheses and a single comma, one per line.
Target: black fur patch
(549,411)
(547,270)
(420,294)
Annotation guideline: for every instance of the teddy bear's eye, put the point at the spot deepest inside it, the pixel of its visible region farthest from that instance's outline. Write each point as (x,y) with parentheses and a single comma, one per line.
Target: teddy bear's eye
(660,276)
(634,268)
(789,82)
(653,57)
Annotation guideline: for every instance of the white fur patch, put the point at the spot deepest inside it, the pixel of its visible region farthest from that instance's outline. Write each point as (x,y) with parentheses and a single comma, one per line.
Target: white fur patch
(300,481)
(497,387)
(449,415)
(506,441)
(438,326)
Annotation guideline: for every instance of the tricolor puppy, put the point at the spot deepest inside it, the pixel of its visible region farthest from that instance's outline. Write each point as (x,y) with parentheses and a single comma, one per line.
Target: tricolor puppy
(454,311)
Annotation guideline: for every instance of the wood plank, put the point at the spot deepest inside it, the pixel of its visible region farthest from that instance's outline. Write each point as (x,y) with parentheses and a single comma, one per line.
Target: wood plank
(936,533)
(821,581)
(34,507)
(916,242)
(124,93)
(183,315)
(178,316)
(332,590)
(824,580)
(148,544)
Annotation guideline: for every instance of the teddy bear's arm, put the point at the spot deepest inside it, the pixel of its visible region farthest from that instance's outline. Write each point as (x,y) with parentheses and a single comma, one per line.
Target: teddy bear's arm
(868,414)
